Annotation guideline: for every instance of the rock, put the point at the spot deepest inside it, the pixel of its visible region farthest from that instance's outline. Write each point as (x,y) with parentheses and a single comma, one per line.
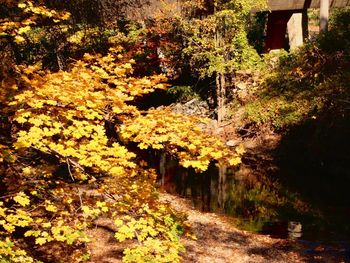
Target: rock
(232,143)
(294,230)
(195,107)
(241,86)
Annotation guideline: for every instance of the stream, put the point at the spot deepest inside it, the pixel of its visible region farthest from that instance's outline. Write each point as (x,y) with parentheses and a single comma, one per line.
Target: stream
(262,205)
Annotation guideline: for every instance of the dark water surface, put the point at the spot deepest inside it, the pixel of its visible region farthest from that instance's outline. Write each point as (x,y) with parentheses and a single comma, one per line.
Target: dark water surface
(262,205)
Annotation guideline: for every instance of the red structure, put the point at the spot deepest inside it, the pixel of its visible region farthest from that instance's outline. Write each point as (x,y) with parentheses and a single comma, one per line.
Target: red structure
(277,29)
(282,10)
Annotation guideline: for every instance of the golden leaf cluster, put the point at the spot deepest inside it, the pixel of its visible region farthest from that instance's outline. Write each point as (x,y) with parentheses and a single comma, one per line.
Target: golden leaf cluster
(71,162)
(31,13)
(181,136)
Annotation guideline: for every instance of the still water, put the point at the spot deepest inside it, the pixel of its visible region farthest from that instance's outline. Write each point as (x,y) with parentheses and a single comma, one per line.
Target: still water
(258,203)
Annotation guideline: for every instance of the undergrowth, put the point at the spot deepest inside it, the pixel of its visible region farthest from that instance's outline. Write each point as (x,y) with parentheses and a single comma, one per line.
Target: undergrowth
(300,85)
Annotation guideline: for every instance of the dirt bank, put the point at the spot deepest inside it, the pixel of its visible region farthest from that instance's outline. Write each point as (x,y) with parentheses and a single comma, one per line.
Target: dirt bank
(219,241)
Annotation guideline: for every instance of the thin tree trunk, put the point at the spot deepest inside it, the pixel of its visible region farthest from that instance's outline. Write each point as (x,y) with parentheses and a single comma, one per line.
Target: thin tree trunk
(60,61)
(221,95)
(305,24)
(305,19)
(162,171)
(220,82)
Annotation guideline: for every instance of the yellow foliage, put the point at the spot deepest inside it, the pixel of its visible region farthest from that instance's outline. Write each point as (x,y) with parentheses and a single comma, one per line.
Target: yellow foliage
(164,129)
(22,199)
(8,251)
(63,118)
(50,207)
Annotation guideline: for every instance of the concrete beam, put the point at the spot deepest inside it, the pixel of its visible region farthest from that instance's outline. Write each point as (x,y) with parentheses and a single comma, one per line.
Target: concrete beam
(277,5)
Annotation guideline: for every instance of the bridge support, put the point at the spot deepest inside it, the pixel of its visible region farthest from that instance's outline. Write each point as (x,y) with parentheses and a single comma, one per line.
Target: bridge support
(276,29)
(324,15)
(295,30)
(280,22)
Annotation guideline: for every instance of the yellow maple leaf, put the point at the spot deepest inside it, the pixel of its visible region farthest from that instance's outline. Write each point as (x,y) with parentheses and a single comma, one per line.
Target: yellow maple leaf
(235,161)
(40,240)
(22,199)
(240,149)
(51,208)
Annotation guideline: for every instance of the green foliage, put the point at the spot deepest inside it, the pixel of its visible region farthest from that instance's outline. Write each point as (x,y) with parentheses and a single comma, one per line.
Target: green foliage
(217,43)
(182,93)
(298,86)
(338,30)
(281,110)
(256,29)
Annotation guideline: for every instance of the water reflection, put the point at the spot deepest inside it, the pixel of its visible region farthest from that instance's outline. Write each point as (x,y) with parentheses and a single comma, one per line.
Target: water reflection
(255,202)
(224,190)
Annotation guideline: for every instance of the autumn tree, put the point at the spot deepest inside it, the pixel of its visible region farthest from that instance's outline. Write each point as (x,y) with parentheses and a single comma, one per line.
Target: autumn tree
(68,158)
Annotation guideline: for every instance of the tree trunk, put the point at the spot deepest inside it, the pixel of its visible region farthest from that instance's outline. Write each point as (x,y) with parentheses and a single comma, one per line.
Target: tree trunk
(221,95)
(305,24)
(220,82)
(60,61)
(162,170)
(305,19)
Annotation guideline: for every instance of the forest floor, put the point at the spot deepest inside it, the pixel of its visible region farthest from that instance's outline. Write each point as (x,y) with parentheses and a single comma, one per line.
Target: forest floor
(220,242)
(217,241)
